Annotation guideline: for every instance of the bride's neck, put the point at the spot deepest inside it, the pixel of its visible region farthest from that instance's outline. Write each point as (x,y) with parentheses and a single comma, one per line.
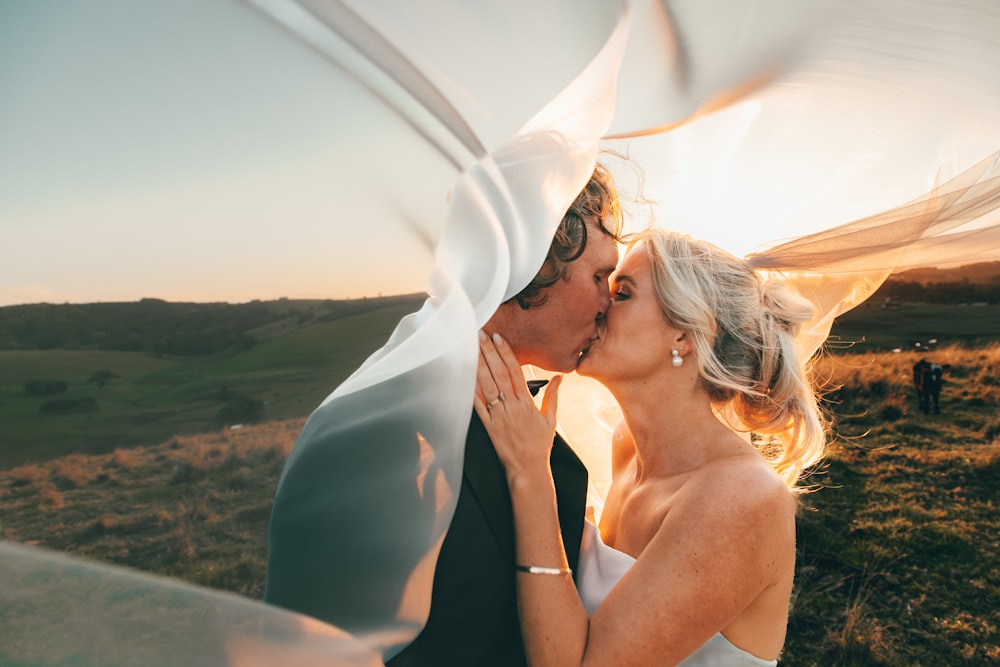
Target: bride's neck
(669,428)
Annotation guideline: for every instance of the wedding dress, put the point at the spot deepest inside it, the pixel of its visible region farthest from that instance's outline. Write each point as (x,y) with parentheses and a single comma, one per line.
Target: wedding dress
(601,567)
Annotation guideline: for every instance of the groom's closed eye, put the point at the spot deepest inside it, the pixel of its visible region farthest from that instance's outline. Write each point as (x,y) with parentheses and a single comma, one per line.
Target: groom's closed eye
(604,275)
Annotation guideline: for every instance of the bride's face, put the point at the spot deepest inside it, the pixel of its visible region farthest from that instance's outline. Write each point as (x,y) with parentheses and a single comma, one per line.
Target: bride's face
(637,337)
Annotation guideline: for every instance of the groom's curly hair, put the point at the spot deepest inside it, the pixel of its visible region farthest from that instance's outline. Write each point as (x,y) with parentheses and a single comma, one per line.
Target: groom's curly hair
(596,207)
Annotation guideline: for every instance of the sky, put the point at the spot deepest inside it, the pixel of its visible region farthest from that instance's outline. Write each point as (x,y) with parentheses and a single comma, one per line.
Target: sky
(194,151)
(183,151)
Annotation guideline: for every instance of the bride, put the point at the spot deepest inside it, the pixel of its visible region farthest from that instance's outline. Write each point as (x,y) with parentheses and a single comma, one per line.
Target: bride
(699,524)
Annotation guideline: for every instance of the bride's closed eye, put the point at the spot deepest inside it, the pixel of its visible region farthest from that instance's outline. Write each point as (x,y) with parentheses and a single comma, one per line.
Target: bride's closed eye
(620,295)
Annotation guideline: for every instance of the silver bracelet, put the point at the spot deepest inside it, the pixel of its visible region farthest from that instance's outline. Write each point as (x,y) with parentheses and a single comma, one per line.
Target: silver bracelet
(534,569)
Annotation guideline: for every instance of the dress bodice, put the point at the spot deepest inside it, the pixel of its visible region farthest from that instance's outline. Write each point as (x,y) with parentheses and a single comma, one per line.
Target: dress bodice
(601,567)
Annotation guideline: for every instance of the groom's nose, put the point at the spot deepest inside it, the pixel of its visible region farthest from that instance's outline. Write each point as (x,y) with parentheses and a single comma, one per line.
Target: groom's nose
(604,301)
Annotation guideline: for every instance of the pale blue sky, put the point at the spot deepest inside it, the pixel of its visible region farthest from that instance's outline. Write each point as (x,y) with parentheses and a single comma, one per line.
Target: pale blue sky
(192,150)
(183,150)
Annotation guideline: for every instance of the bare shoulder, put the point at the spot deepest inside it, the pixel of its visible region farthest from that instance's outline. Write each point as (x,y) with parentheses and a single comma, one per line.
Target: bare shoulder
(737,493)
(720,559)
(738,511)
(751,470)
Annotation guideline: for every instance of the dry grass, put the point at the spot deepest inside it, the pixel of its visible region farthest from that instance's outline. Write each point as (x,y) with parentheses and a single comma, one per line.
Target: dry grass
(862,385)
(897,560)
(194,507)
(125,459)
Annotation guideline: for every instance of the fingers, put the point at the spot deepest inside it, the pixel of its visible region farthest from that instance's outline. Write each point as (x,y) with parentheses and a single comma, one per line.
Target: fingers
(500,382)
(518,385)
(550,401)
(484,407)
(480,406)
(488,387)
(502,374)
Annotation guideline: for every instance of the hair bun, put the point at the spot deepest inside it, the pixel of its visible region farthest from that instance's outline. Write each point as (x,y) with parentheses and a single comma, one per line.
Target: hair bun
(785,306)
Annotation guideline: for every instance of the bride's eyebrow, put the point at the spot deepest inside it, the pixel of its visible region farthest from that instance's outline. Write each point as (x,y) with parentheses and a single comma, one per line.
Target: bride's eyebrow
(624,278)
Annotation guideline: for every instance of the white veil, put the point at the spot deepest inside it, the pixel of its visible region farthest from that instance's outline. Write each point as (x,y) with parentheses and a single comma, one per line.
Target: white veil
(515,133)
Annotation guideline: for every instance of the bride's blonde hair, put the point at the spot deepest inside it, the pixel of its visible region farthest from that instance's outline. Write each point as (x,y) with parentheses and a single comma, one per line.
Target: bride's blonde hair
(743,330)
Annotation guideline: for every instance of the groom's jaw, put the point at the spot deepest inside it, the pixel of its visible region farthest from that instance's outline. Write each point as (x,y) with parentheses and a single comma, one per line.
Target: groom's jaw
(586,350)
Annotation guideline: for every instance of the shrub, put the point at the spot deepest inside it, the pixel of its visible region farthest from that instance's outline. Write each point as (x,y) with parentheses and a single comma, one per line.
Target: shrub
(72,472)
(184,473)
(891,412)
(45,387)
(241,409)
(27,475)
(126,459)
(101,378)
(59,406)
(49,497)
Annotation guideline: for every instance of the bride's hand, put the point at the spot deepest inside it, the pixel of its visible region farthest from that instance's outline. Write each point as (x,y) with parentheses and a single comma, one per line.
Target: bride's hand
(522,435)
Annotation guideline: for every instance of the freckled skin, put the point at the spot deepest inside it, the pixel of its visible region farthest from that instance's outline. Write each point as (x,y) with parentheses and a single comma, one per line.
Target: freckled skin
(710,523)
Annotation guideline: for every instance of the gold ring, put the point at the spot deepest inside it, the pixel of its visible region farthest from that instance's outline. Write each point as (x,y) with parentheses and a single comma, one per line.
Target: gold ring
(494,401)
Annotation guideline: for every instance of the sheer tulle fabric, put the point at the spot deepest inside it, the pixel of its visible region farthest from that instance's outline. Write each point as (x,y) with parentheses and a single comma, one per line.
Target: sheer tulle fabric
(60,610)
(956,223)
(374,476)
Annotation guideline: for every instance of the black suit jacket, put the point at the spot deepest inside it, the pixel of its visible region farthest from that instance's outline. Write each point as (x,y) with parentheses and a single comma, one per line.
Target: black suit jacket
(473,619)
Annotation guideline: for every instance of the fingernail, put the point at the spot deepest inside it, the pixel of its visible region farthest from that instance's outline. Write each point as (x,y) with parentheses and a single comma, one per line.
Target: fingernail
(497,340)
(482,335)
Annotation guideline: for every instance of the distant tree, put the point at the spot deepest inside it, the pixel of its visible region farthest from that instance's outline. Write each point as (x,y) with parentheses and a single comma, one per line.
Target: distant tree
(101,378)
(241,410)
(151,325)
(957,291)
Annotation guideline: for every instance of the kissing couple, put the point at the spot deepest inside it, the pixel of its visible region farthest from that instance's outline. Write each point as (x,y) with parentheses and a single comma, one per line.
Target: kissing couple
(692,562)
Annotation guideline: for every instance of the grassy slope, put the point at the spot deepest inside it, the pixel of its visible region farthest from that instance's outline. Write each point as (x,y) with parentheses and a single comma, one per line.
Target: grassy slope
(870,327)
(154,397)
(193,507)
(291,372)
(897,562)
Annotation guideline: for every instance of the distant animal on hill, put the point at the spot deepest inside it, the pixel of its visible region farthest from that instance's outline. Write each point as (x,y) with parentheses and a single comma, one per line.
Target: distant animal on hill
(927,380)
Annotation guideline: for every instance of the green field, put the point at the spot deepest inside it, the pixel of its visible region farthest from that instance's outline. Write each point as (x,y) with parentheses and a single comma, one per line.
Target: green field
(871,327)
(292,368)
(154,397)
(897,548)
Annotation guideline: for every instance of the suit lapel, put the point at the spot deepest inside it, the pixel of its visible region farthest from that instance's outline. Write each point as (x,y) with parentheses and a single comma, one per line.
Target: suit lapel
(570,477)
(485,478)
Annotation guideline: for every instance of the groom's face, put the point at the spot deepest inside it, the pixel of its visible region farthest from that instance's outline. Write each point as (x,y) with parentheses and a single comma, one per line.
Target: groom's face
(567,323)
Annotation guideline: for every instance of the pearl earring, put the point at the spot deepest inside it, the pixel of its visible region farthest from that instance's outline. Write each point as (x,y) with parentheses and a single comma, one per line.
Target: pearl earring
(678,360)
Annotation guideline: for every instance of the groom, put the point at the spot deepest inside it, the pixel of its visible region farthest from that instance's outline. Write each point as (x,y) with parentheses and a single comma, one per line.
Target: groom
(314,532)
(550,323)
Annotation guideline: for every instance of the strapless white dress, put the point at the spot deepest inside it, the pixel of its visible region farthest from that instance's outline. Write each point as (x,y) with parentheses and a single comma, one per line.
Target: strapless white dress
(599,569)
